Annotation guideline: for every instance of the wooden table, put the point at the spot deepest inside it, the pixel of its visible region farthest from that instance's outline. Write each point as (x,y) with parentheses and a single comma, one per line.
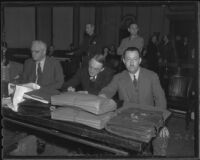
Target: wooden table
(100,139)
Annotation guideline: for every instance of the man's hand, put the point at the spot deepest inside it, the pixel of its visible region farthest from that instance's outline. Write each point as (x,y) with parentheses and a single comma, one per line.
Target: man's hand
(84,92)
(71,89)
(102,95)
(164,132)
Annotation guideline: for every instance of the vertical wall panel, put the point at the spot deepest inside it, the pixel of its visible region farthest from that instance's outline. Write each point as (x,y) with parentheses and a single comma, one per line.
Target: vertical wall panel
(129,10)
(44,24)
(144,21)
(62,27)
(87,15)
(19,26)
(110,25)
(157,20)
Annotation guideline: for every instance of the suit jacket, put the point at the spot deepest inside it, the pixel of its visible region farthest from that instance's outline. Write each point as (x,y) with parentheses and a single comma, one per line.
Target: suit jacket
(82,78)
(150,91)
(52,75)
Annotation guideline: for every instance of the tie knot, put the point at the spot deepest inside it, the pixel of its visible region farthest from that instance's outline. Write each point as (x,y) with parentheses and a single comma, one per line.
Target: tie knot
(92,78)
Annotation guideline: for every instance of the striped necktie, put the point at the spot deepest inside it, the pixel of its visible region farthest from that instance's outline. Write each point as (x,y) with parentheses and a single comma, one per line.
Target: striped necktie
(39,73)
(135,81)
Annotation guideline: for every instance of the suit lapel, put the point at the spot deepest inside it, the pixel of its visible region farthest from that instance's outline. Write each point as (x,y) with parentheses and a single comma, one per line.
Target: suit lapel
(141,82)
(45,67)
(128,85)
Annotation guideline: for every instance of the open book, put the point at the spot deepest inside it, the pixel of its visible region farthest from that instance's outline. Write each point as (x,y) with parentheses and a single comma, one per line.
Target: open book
(32,95)
(18,92)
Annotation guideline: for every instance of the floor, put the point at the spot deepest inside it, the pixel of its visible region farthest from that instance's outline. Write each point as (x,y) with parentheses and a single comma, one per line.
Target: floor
(181,144)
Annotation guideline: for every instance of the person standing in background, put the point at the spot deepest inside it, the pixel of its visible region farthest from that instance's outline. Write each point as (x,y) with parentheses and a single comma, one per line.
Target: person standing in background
(90,45)
(134,40)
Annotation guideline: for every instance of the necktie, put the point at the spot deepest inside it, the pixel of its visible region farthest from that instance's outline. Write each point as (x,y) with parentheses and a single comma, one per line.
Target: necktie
(39,73)
(92,78)
(135,81)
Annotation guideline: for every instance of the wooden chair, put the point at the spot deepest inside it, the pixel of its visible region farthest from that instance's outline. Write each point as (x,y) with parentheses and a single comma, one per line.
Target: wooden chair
(180,96)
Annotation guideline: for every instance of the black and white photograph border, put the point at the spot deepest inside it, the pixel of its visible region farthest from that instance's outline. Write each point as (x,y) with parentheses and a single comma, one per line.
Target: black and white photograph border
(39,15)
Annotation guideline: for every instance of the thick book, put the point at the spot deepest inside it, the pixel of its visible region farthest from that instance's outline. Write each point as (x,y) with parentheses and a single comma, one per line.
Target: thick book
(80,116)
(41,95)
(88,102)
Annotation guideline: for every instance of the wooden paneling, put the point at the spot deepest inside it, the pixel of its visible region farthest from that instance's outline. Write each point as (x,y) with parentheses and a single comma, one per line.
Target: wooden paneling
(144,21)
(62,27)
(110,25)
(19,26)
(44,24)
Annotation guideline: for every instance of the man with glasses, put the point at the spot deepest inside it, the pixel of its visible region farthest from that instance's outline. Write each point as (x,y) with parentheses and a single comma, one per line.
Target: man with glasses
(41,69)
(91,79)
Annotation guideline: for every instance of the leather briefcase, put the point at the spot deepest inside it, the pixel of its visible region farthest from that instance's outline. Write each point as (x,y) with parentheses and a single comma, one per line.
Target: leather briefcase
(137,122)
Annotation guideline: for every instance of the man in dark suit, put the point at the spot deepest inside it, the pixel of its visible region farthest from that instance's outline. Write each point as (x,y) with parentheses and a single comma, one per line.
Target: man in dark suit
(90,45)
(45,71)
(137,85)
(41,69)
(92,78)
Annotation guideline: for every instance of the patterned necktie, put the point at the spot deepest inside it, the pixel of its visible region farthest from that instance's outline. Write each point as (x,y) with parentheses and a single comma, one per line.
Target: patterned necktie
(39,73)
(92,78)
(135,81)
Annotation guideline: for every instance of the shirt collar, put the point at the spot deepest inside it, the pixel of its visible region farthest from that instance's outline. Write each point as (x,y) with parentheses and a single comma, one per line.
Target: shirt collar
(42,62)
(136,74)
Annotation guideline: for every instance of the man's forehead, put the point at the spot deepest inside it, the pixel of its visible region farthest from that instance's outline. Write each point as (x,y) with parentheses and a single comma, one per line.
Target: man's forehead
(95,63)
(133,26)
(37,47)
(132,54)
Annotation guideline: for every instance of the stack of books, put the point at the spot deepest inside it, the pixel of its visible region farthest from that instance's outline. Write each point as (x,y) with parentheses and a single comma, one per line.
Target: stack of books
(87,109)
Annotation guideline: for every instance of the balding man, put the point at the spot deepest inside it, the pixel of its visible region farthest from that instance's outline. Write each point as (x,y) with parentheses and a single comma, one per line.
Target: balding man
(41,69)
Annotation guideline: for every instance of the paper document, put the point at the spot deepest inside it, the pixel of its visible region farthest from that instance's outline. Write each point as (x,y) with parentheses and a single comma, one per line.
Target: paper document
(19,91)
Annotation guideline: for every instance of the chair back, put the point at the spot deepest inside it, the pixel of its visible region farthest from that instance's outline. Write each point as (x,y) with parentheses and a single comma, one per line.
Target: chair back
(180,86)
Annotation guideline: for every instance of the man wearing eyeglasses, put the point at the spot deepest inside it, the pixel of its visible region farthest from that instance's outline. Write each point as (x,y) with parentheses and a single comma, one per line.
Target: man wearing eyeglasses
(91,79)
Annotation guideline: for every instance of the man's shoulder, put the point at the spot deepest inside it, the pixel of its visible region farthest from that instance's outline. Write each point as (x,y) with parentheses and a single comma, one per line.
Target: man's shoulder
(108,70)
(51,60)
(121,74)
(125,39)
(148,72)
(29,61)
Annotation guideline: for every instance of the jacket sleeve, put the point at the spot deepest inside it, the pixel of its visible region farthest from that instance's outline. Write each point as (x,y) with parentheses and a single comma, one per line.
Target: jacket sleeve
(158,93)
(26,72)
(120,49)
(74,81)
(111,88)
(58,76)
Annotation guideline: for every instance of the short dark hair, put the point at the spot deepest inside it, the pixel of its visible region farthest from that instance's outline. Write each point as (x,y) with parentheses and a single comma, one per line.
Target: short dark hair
(131,49)
(99,58)
(131,23)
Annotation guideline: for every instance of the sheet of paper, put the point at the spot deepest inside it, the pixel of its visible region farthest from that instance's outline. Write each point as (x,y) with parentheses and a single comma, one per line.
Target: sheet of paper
(19,93)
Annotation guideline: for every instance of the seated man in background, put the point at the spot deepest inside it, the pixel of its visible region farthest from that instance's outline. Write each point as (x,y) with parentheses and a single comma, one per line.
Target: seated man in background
(41,69)
(92,78)
(138,85)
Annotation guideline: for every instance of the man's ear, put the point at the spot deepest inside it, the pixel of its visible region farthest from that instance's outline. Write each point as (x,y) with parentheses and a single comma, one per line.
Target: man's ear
(140,60)
(102,69)
(123,60)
